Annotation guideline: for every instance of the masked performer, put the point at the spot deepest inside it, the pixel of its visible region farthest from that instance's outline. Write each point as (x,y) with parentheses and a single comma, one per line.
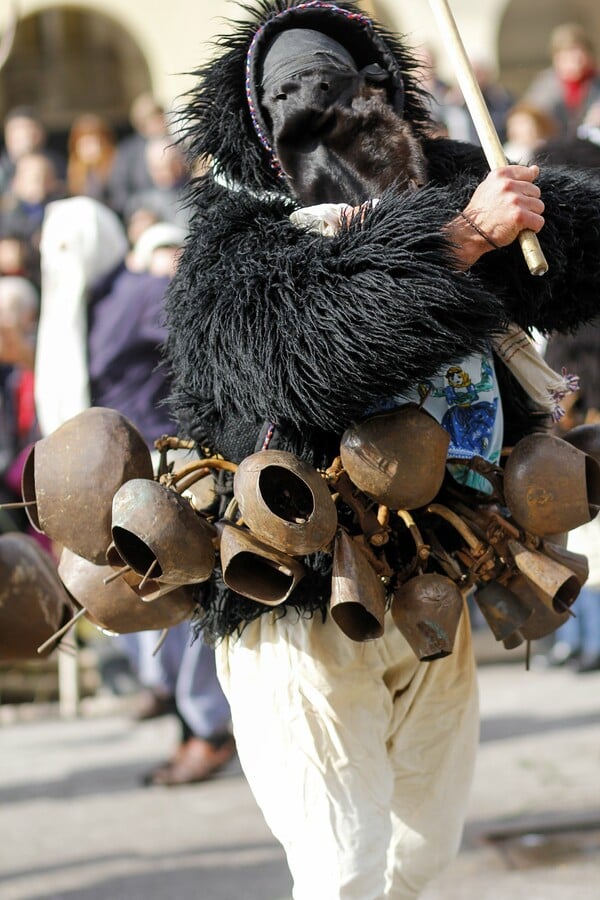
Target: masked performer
(284,333)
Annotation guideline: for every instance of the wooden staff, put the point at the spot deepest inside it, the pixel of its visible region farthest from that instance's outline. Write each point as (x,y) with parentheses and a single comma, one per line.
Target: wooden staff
(490,142)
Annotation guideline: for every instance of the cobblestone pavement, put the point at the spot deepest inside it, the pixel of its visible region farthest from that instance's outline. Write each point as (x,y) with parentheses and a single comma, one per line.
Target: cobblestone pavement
(76,823)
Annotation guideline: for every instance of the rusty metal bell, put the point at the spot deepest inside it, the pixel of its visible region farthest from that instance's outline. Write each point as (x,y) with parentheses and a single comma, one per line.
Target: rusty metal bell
(554,584)
(551,486)
(254,569)
(503,611)
(33,602)
(116,607)
(157,532)
(397,458)
(543,621)
(285,502)
(72,474)
(146,588)
(577,563)
(357,594)
(427,610)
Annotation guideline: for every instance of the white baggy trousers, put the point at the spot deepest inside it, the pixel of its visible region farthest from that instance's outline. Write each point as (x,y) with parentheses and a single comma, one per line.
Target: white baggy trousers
(360,757)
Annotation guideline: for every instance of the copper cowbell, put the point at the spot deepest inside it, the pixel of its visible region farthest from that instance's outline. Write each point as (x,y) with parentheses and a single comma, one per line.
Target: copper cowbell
(357,593)
(427,610)
(285,502)
(72,474)
(33,602)
(254,569)
(551,486)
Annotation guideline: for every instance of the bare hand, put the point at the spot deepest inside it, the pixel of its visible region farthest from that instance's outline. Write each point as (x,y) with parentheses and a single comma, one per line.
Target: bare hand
(506,203)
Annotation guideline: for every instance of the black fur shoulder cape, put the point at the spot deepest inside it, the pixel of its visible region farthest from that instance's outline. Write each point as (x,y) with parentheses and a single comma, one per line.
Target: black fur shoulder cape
(270,323)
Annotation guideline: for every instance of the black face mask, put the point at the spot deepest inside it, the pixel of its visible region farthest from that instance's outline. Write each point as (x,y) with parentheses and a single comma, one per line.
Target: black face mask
(333,131)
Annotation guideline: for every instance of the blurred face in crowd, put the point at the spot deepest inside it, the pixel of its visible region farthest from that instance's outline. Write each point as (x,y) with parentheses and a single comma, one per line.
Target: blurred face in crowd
(23,135)
(12,256)
(138,222)
(522,129)
(18,318)
(572,63)
(148,116)
(18,304)
(166,164)
(163,261)
(35,179)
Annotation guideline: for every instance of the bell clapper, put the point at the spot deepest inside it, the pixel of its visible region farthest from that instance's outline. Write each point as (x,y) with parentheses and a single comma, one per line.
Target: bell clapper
(63,630)
(144,580)
(161,640)
(122,571)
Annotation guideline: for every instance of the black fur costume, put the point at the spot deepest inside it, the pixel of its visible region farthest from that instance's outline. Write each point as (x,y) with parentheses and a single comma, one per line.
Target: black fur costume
(271,324)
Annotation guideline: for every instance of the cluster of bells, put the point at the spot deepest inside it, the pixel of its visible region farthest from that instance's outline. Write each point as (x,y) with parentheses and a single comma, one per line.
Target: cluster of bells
(134,544)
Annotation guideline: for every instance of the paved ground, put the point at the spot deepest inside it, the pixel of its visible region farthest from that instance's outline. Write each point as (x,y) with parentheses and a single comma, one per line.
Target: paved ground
(75,822)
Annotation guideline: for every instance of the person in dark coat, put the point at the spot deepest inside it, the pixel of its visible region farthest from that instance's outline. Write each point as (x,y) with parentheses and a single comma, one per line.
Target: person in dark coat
(283,336)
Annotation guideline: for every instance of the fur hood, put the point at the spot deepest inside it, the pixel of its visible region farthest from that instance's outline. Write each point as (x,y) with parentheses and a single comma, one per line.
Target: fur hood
(223,120)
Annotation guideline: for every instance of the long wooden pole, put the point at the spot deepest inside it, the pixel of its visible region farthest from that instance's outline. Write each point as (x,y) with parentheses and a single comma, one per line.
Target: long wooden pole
(490,142)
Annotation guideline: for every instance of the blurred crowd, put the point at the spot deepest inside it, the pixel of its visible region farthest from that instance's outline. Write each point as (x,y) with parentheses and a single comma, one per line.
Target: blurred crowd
(140,178)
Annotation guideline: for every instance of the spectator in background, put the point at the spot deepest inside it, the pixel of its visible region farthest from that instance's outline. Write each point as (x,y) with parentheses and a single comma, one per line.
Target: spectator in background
(92,148)
(19,305)
(577,642)
(527,129)
(34,185)
(498,101)
(571,84)
(130,172)
(169,176)
(137,222)
(581,149)
(24,133)
(17,256)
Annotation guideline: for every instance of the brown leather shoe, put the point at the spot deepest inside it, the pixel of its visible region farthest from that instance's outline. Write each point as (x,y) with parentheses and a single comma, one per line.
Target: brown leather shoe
(195,760)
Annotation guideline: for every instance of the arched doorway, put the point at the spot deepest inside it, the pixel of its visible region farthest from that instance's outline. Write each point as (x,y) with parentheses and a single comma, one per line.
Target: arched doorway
(524,35)
(66,61)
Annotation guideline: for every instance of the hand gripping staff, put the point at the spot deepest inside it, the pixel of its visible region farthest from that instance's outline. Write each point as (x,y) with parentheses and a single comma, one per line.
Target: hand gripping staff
(482,120)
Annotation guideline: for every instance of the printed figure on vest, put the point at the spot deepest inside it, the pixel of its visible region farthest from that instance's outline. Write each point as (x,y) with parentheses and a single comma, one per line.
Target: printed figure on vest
(352,283)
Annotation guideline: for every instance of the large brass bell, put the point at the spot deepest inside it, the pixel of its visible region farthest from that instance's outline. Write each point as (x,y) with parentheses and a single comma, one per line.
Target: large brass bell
(504,611)
(116,607)
(427,610)
(551,486)
(285,502)
(70,477)
(554,584)
(357,593)
(254,569)
(397,458)
(157,532)
(33,602)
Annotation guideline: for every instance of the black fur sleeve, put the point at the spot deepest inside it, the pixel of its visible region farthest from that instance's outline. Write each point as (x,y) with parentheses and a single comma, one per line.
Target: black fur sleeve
(270,322)
(568,294)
